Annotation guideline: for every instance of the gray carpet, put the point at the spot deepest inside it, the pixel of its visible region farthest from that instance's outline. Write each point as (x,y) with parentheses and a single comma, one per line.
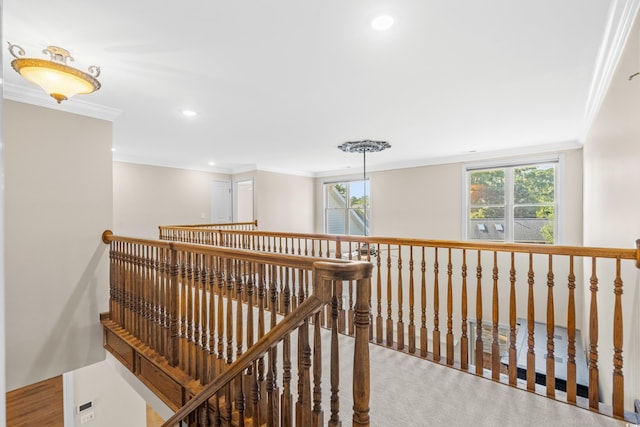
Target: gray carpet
(408,391)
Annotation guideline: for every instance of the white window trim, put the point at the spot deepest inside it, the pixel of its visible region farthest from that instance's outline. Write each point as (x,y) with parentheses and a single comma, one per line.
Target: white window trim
(559,185)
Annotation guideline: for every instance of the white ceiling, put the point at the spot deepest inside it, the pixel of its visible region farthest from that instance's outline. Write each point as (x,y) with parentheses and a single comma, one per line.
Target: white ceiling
(280,84)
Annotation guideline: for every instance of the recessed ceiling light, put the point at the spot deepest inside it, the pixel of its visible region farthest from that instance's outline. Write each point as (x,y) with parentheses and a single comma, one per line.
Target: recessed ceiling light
(189,113)
(113,149)
(382,22)
(212,163)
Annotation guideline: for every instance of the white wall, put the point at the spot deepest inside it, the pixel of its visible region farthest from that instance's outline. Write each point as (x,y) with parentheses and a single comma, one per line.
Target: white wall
(3,388)
(284,202)
(145,197)
(114,402)
(58,201)
(611,206)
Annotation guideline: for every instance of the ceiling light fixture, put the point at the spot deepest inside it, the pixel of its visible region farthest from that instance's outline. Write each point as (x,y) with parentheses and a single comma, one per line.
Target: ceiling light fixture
(53,75)
(189,113)
(382,22)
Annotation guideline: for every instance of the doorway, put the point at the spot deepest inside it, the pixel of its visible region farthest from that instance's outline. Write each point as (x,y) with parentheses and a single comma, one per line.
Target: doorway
(243,201)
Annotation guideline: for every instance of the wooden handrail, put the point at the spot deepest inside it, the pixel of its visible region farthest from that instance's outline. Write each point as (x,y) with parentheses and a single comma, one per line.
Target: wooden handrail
(323,272)
(220,225)
(584,251)
(522,293)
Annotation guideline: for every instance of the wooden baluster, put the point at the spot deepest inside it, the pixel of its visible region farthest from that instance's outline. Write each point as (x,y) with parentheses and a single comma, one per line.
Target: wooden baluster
(479,356)
(230,289)
(153,291)
(495,343)
(412,326)
(250,378)
(423,306)
(341,311)
(513,368)
(262,407)
(184,291)
(400,323)
(350,311)
(389,300)
(191,337)
(449,310)
(551,362)
(531,354)
(464,339)
(158,303)
(571,335)
(203,415)
(164,301)
(594,394)
(240,397)
(334,420)
(197,312)
(361,370)
(317,415)
(173,293)
(272,379)
(379,304)
(221,338)
(618,377)
(436,310)
(127,279)
(145,335)
(286,405)
(213,272)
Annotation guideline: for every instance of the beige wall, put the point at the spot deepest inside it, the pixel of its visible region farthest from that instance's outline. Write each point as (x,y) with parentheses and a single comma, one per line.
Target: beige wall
(284,202)
(426,202)
(58,202)
(145,197)
(611,206)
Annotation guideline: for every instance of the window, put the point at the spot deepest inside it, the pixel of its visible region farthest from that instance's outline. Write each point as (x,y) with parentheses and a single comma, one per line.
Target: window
(344,206)
(513,203)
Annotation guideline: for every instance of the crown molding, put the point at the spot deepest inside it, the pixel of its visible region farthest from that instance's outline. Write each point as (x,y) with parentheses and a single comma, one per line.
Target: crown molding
(622,14)
(33,96)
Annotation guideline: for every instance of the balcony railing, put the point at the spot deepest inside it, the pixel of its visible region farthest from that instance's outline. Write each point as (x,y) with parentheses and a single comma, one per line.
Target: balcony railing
(213,329)
(550,319)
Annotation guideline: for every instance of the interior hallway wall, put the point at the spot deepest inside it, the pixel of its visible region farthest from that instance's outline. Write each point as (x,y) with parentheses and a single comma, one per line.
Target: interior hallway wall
(58,201)
(611,206)
(145,197)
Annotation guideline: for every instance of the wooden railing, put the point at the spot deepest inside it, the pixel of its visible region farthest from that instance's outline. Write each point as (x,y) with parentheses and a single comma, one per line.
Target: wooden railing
(546,318)
(213,313)
(190,232)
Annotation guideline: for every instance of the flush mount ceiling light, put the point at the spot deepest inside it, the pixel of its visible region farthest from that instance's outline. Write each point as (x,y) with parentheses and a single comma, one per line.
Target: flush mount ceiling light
(382,22)
(189,113)
(53,75)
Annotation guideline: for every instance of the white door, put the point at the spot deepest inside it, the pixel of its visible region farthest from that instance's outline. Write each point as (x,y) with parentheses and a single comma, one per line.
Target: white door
(243,201)
(220,202)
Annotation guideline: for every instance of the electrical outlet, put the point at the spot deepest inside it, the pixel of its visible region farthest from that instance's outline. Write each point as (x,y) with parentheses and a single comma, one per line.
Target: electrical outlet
(85,418)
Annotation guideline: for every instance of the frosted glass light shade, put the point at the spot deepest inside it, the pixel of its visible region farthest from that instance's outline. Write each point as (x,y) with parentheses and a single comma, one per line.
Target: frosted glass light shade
(54,76)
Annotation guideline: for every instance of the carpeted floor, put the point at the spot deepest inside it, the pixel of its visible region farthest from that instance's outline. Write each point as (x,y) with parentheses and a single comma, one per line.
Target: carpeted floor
(408,391)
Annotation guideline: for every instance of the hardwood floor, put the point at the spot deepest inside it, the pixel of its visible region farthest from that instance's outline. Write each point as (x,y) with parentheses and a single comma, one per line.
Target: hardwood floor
(39,404)
(153,419)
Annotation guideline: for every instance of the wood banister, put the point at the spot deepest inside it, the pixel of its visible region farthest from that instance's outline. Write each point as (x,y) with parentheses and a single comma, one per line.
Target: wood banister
(324,272)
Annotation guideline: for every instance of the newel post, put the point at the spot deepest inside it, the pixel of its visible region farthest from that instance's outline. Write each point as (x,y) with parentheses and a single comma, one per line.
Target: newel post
(361,371)
(174,298)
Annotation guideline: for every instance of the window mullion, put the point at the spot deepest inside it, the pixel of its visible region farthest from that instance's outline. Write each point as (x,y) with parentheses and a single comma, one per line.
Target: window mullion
(509,204)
